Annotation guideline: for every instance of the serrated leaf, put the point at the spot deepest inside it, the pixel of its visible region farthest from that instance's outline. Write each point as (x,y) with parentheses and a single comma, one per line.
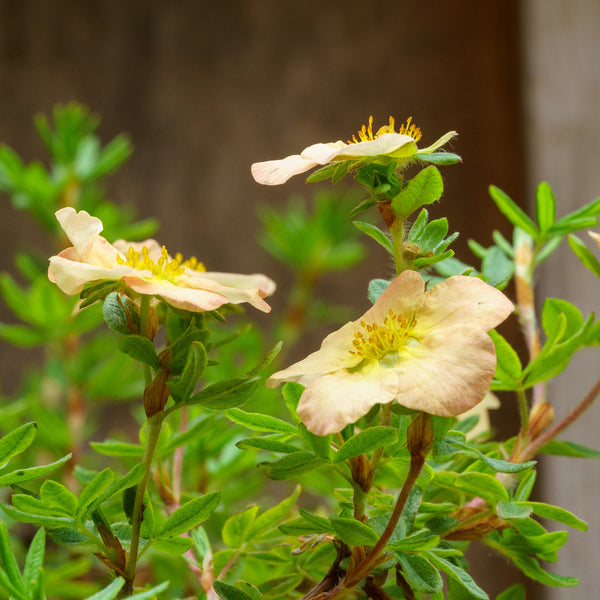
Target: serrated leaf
(366,441)
(23,475)
(189,515)
(16,441)
(259,421)
(226,395)
(374,232)
(353,532)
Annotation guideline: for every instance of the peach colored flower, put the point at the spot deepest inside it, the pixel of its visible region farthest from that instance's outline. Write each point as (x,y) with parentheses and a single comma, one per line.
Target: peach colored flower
(147,268)
(385,142)
(427,350)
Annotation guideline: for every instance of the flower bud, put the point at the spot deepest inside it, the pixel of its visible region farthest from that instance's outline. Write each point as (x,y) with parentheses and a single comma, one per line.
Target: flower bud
(419,436)
(156,394)
(541,416)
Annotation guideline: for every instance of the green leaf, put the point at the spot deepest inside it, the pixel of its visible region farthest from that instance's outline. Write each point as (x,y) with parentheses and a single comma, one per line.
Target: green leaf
(532,569)
(459,575)
(23,475)
(420,574)
(273,516)
(268,359)
(482,484)
(525,486)
(552,309)
(366,441)
(117,448)
(34,560)
(379,236)
(235,529)
(376,288)
(93,489)
(512,212)
(230,592)
(226,394)
(16,441)
(140,349)
(425,188)
(172,544)
(508,366)
(118,311)
(56,495)
(43,520)
(292,465)
(110,591)
(291,393)
(562,448)
(556,513)
(545,206)
(502,466)
(259,421)
(584,255)
(514,592)
(439,158)
(8,560)
(353,532)
(512,510)
(183,387)
(189,515)
(267,443)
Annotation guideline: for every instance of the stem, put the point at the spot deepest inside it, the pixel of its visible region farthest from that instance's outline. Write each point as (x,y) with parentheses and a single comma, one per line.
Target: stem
(531,449)
(397,231)
(154,426)
(144,313)
(370,562)
(523,411)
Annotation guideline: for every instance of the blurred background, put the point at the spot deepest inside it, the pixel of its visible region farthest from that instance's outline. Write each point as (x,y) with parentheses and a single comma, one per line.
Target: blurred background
(204,89)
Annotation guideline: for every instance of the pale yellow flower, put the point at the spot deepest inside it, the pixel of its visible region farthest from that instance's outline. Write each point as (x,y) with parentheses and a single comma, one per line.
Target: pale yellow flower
(146,268)
(385,142)
(427,350)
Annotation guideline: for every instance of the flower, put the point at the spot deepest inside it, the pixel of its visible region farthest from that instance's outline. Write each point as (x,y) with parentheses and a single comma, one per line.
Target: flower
(385,142)
(427,350)
(147,268)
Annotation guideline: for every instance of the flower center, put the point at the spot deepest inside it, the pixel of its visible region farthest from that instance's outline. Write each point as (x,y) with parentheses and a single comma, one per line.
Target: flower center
(164,267)
(382,342)
(366,134)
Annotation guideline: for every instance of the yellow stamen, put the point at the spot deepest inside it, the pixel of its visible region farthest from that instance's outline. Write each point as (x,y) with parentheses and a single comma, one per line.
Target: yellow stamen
(365,133)
(164,267)
(375,342)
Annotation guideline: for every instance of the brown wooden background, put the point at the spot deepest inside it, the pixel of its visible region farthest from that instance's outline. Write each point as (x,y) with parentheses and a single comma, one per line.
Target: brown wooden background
(206,88)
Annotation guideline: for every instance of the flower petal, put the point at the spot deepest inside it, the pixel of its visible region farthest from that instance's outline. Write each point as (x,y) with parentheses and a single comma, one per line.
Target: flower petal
(332,401)
(79,227)
(276,172)
(462,299)
(448,373)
